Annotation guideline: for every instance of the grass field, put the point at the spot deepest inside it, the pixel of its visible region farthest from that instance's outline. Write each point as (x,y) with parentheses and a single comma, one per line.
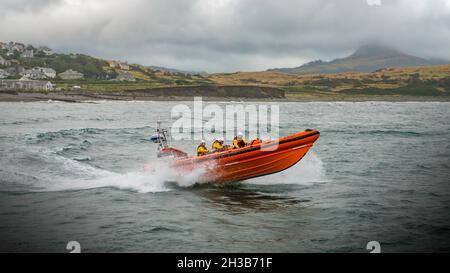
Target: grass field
(412,81)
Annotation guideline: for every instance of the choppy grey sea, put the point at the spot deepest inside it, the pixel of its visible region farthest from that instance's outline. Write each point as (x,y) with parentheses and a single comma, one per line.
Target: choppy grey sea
(74,172)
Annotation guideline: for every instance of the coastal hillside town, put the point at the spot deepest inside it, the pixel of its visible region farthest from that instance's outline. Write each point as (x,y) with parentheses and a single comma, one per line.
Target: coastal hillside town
(21,64)
(26,67)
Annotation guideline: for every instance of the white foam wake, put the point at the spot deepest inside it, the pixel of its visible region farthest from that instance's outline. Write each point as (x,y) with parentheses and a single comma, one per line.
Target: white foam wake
(142,182)
(80,176)
(74,175)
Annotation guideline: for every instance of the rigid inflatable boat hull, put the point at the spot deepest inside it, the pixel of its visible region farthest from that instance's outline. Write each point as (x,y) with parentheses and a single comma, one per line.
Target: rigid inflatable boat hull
(251,161)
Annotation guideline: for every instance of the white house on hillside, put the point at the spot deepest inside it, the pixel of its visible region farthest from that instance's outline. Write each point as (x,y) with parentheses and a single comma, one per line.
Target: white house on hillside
(4,62)
(25,85)
(27,54)
(124,66)
(48,72)
(4,74)
(34,74)
(120,65)
(46,50)
(39,73)
(14,46)
(15,70)
(70,75)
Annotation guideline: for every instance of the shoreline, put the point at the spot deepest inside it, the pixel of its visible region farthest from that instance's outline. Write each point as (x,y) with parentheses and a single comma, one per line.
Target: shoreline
(80,97)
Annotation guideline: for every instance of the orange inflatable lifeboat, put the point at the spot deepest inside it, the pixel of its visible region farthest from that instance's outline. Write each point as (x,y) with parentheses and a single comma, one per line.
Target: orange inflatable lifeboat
(248,162)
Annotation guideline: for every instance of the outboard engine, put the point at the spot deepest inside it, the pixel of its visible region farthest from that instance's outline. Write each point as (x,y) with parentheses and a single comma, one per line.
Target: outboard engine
(163,148)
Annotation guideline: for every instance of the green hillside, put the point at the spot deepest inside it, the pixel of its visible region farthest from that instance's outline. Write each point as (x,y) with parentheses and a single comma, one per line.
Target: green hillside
(98,73)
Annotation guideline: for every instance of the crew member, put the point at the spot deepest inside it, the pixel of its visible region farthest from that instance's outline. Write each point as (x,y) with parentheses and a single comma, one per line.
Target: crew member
(255,141)
(239,141)
(217,145)
(201,149)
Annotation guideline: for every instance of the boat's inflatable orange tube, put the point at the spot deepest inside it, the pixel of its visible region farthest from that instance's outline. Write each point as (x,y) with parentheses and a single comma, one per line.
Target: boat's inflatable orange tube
(251,161)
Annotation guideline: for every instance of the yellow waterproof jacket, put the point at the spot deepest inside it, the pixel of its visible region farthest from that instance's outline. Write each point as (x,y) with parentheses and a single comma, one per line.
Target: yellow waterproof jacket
(216,146)
(239,143)
(201,150)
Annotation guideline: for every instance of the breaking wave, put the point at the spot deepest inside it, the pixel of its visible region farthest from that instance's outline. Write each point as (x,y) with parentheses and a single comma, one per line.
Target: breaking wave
(138,181)
(84,176)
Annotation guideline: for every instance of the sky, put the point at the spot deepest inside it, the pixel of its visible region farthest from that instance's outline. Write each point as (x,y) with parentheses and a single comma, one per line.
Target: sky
(227,35)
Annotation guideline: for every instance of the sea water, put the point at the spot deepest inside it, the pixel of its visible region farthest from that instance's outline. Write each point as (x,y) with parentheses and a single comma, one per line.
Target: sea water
(74,172)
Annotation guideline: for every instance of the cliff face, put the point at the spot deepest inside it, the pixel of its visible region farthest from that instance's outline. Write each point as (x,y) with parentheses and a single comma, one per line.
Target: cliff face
(212,91)
(160,93)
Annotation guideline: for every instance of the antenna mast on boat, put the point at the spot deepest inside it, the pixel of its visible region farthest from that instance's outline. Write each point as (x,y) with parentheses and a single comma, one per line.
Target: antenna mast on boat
(162,136)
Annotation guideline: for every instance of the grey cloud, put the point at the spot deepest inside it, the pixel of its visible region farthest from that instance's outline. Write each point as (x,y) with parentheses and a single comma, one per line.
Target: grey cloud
(25,5)
(227,35)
